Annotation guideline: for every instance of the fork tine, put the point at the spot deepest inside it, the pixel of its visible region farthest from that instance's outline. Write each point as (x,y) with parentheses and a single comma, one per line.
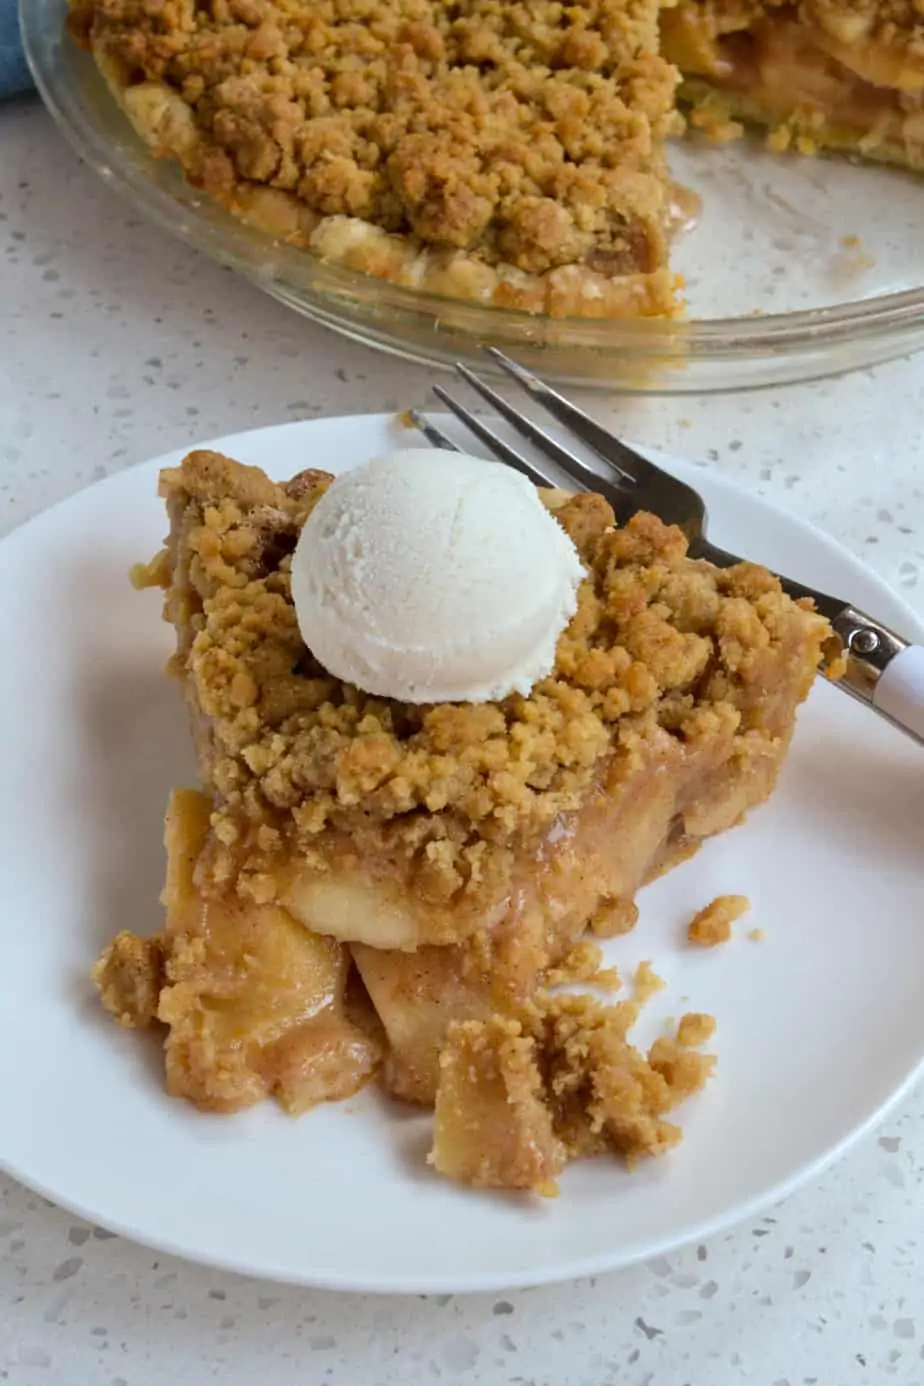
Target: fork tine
(576,470)
(631,464)
(501,450)
(434,436)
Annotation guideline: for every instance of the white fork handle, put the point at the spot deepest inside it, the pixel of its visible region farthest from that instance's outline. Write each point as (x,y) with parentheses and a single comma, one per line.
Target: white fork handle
(899,692)
(884,670)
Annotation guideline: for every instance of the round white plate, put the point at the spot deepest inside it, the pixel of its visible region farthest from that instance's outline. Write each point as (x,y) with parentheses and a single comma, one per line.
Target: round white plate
(820,1025)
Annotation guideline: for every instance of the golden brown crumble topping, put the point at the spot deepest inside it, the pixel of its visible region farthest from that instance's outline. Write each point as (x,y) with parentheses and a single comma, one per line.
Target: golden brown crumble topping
(712,924)
(129,976)
(584,963)
(493,1125)
(658,644)
(527,134)
(519,1097)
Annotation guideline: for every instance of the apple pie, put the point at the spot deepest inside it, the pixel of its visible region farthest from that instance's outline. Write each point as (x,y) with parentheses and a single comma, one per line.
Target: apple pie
(366,885)
(499,151)
(844,75)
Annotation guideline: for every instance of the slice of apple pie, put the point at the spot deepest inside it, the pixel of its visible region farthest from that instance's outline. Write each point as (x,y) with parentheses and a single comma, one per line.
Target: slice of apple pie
(442,859)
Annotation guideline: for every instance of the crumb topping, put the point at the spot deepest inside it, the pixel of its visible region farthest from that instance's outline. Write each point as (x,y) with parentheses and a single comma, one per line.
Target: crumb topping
(523,133)
(129,976)
(519,1097)
(584,963)
(493,1127)
(659,645)
(606,1094)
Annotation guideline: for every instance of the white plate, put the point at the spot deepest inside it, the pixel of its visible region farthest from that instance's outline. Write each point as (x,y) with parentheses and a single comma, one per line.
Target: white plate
(820,1025)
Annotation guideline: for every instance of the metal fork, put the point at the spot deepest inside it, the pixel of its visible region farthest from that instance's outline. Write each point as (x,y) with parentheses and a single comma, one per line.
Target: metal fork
(884,670)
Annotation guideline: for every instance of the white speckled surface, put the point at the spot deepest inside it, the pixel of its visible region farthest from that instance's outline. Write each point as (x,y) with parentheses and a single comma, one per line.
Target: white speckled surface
(117,344)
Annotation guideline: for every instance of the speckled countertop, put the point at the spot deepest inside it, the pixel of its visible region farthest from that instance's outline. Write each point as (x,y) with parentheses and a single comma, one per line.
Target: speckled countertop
(117,344)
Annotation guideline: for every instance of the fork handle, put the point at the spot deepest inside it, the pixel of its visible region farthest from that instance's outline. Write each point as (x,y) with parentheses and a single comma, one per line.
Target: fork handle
(900,691)
(883,670)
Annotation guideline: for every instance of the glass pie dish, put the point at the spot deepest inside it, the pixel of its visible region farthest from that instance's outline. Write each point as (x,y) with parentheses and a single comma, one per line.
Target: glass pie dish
(795,268)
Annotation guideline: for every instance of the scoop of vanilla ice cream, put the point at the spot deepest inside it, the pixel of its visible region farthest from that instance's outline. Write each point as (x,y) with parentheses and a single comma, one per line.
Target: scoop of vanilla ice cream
(432,576)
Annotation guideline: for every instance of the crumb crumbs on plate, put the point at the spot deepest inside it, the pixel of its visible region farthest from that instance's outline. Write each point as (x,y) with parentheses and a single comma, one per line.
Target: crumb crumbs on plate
(695,1028)
(712,924)
(646,983)
(756,935)
(613,918)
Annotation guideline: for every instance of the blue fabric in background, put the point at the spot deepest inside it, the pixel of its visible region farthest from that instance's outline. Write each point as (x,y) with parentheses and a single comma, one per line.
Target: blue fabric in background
(14,74)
